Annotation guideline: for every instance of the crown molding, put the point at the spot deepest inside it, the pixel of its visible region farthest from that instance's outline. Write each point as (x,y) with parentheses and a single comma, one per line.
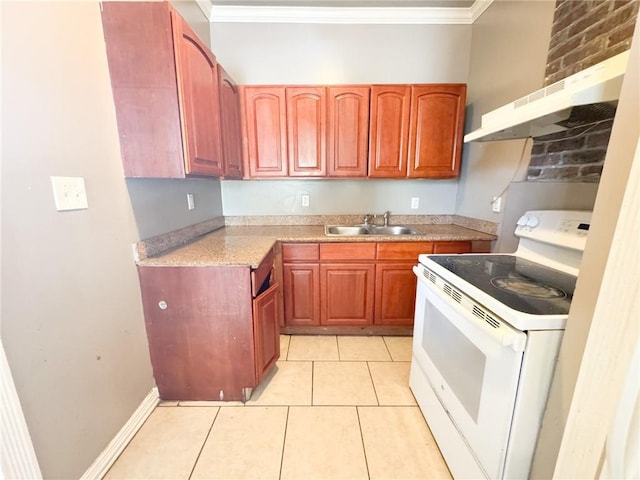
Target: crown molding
(345,15)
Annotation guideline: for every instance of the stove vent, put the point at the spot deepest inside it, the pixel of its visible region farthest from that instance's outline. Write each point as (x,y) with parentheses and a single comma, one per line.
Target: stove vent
(480,313)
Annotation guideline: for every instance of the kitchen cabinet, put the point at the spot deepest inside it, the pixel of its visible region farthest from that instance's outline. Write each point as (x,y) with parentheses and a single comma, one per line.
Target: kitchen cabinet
(265,131)
(347,276)
(165,88)
(355,284)
(301,284)
(416,130)
(348,131)
(395,281)
(389,130)
(206,344)
(435,132)
(307,131)
(231,126)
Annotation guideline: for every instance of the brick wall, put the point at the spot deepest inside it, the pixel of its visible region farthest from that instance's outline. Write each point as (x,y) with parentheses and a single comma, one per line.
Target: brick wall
(584,32)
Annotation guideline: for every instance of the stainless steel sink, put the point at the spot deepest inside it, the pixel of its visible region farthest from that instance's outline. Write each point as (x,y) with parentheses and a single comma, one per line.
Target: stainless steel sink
(392,230)
(332,230)
(345,230)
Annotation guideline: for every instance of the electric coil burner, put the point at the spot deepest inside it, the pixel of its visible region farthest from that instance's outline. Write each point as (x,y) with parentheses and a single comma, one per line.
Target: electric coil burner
(487,333)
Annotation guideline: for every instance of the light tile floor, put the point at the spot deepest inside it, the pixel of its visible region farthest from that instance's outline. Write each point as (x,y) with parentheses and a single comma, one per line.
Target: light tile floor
(333,408)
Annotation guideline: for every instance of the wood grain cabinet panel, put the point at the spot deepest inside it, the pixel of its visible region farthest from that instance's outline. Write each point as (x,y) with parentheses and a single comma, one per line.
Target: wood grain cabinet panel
(265,130)
(389,130)
(200,101)
(437,123)
(452,247)
(346,293)
(266,331)
(301,293)
(348,131)
(231,125)
(165,88)
(395,293)
(307,131)
(206,344)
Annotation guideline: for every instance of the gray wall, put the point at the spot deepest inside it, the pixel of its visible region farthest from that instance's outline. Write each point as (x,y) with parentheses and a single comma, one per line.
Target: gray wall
(338,54)
(71,320)
(508,58)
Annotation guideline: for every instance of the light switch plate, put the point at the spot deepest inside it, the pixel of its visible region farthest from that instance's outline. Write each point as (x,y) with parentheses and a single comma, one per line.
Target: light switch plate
(305,199)
(191,204)
(415,203)
(69,193)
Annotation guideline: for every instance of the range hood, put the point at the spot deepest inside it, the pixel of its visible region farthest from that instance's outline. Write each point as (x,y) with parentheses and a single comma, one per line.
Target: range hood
(580,98)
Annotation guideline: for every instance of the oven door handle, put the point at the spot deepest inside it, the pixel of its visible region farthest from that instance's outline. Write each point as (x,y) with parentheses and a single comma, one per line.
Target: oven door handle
(504,336)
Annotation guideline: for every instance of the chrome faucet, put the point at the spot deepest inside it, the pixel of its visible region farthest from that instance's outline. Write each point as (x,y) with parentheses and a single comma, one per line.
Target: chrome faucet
(385,218)
(368,218)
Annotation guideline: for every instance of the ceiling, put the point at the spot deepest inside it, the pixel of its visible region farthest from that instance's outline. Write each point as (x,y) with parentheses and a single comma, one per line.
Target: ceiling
(345,11)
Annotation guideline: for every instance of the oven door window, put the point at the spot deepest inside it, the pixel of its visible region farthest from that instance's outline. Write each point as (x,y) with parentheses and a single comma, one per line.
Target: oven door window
(473,367)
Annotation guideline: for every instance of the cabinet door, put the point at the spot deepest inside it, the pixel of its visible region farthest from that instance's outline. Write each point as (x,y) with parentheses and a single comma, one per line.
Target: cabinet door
(266,331)
(199,101)
(437,122)
(301,294)
(307,131)
(348,131)
(395,293)
(389,130)
(230,125)
(347,293)
(266,131)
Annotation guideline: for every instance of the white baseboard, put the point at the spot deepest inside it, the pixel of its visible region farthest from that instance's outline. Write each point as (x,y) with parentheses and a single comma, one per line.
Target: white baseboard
(109,455)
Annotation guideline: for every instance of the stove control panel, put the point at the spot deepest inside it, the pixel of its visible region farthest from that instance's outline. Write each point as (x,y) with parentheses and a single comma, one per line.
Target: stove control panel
(563,228)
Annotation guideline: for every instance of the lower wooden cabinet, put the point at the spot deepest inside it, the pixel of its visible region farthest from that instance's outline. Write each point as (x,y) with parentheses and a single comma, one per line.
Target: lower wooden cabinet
(346,293)
(395,294)
(206,344)
(302,299)
(354,284)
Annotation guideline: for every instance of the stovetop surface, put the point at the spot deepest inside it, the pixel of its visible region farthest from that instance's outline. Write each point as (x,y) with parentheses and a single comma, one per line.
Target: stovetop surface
(520,284)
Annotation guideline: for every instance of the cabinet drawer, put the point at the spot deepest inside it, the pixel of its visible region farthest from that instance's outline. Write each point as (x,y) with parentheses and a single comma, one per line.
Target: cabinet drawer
(403,250)
(452,247)
(347,251)
(300,252)
(259,275)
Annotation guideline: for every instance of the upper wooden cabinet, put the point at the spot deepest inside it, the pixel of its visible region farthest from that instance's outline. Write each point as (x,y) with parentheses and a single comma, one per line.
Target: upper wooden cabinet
(199,100)
(436,128)
(165,88)
(265,131)
(348,131)
(389,130)
(416,130)
(307,131)
(231,125)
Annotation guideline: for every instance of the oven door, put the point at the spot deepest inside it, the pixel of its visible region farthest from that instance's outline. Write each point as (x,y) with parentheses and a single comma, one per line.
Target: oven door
(472,362)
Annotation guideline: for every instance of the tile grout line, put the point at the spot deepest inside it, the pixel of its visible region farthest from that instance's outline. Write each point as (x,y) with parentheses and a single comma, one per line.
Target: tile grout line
(387,347)
(373,384)
(284,441)
(204,443)
(364,448)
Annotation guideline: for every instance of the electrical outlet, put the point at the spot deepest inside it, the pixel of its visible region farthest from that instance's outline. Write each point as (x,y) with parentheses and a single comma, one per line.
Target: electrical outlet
(496,204)
(415,203)
(304,199)
(191,204)
(69,193)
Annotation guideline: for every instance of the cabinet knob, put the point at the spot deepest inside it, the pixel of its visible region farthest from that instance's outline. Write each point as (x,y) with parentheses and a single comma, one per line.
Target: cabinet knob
(162,304)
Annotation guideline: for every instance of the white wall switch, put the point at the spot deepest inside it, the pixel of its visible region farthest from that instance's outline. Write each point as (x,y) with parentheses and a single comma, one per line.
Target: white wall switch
(496,204)
(415,203)
(191,204)
(304,199)
(69,193)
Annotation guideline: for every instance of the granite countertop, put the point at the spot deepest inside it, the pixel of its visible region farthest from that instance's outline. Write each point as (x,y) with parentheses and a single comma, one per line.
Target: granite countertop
(248,245)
